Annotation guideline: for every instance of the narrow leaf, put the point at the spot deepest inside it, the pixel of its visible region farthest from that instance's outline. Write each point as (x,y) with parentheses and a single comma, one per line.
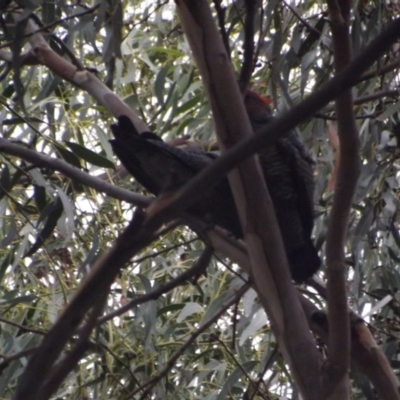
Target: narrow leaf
(89,155)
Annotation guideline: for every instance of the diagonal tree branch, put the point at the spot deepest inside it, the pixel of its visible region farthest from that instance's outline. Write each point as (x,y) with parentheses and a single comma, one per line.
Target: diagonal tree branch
(198,268)
(64,367)
(80,77)
(138,234)
(41,160)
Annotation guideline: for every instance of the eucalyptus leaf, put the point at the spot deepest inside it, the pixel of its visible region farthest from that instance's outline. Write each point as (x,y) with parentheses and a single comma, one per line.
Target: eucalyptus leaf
(89,155)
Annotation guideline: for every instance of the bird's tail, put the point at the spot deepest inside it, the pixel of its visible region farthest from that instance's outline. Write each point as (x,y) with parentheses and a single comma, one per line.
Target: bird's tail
(304,262)
(123,128)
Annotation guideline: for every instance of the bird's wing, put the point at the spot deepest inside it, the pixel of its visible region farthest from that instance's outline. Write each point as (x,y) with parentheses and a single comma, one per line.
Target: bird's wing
(159,166)
(155,164)
(291,185)
(299,162)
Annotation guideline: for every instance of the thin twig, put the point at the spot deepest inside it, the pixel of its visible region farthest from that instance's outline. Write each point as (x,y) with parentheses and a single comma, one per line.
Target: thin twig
(16,356)
(301,19)
(371,97)
(221,23)
(47,27)
(75,61)
(173,359)
(197,268)
(256,388)
(22,327)
(381,71)
(248,44)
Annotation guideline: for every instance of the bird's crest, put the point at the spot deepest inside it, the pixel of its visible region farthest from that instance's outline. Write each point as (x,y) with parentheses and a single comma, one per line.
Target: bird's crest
(265,99)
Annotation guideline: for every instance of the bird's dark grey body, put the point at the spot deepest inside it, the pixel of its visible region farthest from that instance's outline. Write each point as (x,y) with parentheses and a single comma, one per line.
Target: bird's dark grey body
(291,186)
(160,167)
(287,169)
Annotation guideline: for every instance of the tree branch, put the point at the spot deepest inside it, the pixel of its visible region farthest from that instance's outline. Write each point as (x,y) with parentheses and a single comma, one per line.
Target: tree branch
(41,160)
(381,71)
(268,264)
(221,22)
(302,20)
(365,353)
(336,369)
(81,78)
(198,268)
(371,97)
(248,44)
(96,283)
(65,366)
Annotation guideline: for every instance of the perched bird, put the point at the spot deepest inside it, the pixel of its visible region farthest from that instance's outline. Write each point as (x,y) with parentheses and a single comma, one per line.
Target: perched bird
(160,167)
(287,169)
(286,166)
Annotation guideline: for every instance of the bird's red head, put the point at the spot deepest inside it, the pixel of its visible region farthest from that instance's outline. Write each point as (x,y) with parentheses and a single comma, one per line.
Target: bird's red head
(258,108)
(252,96)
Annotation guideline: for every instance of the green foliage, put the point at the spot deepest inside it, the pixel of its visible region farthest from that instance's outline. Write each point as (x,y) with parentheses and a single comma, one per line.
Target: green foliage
(52,228)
